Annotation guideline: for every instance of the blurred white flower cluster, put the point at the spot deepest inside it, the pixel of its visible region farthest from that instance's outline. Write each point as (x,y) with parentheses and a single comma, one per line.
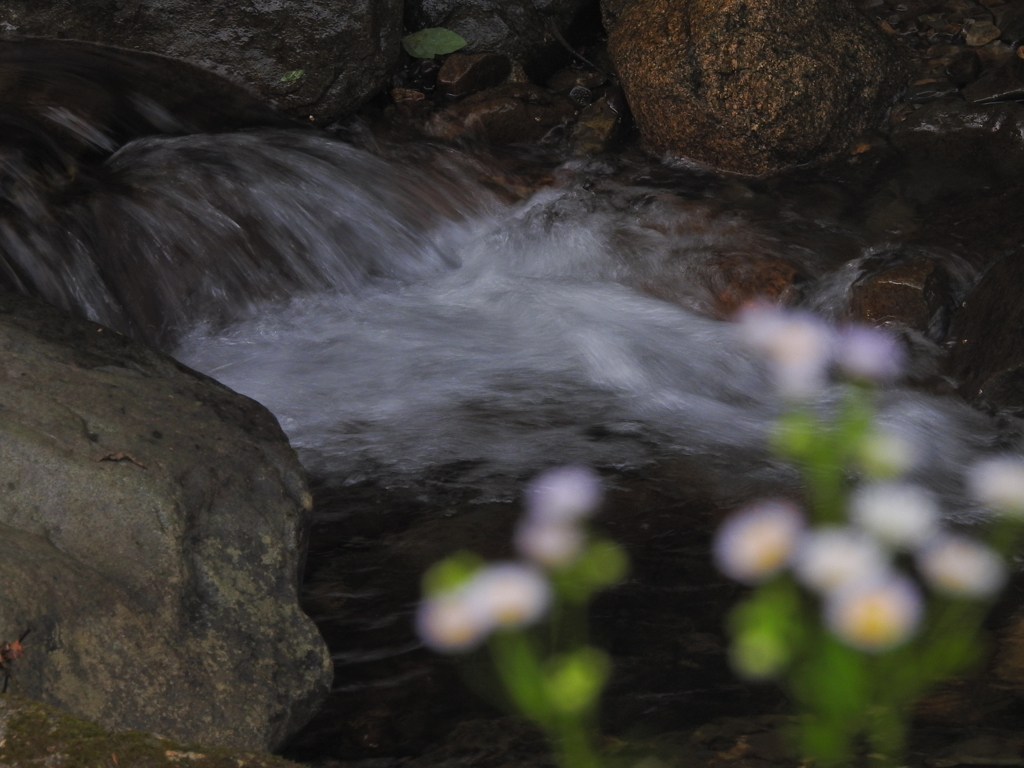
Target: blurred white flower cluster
(854,567)
(474,599)
(801,348)
(868,601)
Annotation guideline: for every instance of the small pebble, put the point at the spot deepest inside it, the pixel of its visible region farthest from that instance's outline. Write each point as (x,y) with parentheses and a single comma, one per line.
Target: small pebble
(981,32)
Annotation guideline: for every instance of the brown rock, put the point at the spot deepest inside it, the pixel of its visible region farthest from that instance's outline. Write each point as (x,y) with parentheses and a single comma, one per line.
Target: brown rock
(913,293)
(503,115)
(409,101)
(595,129)
(754,86)
(463,74)
(745,277)
(988,354)
(565,80)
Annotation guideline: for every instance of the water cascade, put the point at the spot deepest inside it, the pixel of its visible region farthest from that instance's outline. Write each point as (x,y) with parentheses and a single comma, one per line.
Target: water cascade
(416,330)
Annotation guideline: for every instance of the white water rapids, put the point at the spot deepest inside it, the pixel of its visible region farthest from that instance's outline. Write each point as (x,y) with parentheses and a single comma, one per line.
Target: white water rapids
(528,345)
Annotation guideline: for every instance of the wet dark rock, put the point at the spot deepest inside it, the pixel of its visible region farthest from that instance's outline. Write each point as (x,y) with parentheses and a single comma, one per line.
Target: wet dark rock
(565,80)
(887,213)
(1004,83)
(67,102)
(987,356)
(463,74)
(423,75)
(1010,20)
(595,129)
(916,293)
(979,33)
(151,530)
(521,29)
(754,88)
(922,93)
(507,114)
(410,102)
(964,67)
(610,12)
(319,58)
(954,147)
(741,278)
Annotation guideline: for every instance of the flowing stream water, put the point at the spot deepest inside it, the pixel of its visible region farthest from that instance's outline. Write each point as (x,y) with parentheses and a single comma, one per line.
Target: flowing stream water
(427,343)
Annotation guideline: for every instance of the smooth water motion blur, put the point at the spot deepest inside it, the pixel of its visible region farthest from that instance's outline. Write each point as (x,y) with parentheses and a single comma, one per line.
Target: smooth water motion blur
(406,324)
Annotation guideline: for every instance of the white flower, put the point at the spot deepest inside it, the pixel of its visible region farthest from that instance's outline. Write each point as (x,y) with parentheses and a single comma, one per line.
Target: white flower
(509,594)
(831,558)
(866,352)
(551,544)
(756,543)
(876,614)
(449,623)
(900,514)
(999,483)
(798,345)
(960,566)
(884,454)
(564,495)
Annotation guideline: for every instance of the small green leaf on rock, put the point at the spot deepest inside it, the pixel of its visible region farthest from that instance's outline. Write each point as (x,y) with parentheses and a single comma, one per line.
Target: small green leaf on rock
(431,42)
(291,77)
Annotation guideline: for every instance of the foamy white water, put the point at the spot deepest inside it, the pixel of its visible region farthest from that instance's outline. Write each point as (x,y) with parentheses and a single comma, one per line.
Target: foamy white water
(537,349)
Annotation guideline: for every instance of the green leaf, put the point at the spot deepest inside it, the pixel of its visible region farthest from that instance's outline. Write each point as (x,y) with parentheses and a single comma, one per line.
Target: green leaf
(431,42)
(576,679)
(767,630)
(601,565)
(291,77)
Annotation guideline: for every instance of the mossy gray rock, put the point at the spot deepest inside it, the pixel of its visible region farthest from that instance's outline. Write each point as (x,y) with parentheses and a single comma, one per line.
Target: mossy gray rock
(150,535)
(31,733)
(316,58)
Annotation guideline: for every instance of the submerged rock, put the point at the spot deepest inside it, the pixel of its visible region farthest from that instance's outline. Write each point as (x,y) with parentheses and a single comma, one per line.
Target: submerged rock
(151,526)
(987,356)
(753,87)
(313,58)
(515,112)
(953,147)
(915,292)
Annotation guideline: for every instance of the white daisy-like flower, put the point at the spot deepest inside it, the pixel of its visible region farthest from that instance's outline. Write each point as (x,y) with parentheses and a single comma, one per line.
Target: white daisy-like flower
(798,346)
(960,566)
(876,614)
(449,623)
(866,352)
(564,495)
(832,557)
(509,595)
(552,545)
(900,514)
(999,483)
(756,543)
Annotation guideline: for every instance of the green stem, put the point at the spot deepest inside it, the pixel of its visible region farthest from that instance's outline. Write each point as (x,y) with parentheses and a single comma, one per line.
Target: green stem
(574,747)
(522,675)
(887,736)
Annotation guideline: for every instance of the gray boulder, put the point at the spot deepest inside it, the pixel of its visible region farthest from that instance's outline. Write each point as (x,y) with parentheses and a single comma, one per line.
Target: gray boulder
(313,58)
(754,86)
(151,525)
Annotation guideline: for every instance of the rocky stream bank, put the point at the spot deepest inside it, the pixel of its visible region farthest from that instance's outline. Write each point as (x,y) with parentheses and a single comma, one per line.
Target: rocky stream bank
(153,523)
